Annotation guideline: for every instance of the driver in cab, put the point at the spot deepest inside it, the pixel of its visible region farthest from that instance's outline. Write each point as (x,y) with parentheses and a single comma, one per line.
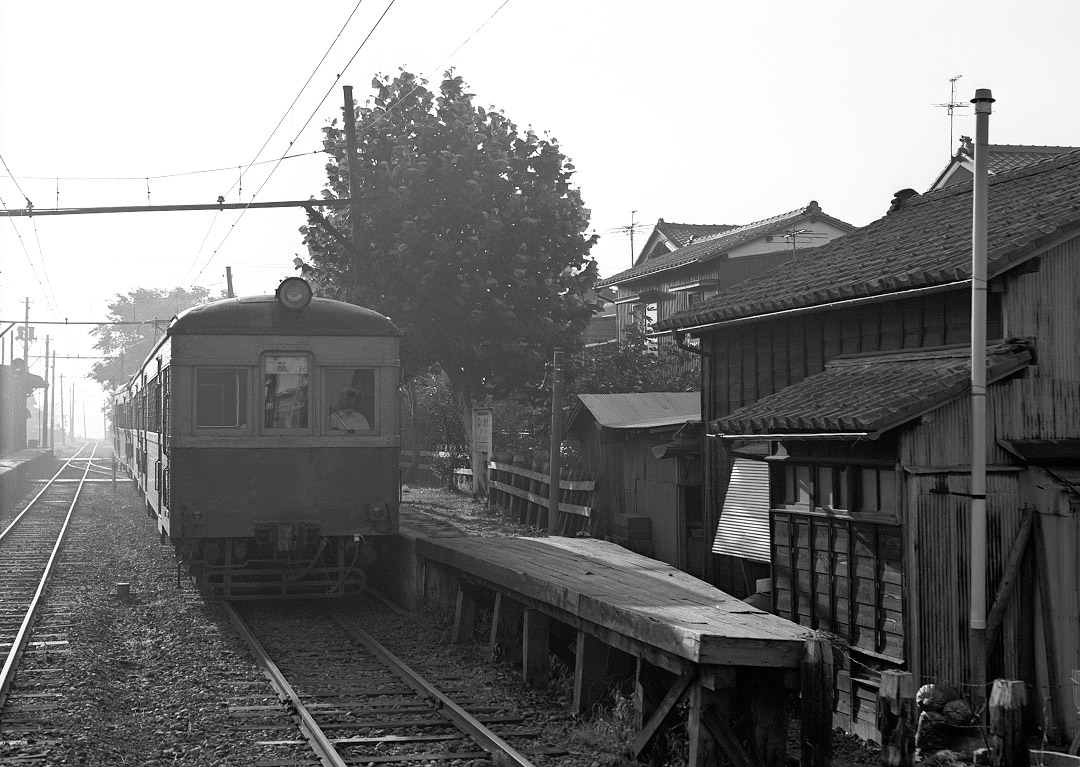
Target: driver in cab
(347,416)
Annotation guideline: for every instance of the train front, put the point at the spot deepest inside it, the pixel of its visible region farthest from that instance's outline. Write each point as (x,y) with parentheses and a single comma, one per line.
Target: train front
(281,470)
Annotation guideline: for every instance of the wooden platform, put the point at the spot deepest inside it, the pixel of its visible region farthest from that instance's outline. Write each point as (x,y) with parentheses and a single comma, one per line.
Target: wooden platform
(632,619)
(641,598)
(16,469)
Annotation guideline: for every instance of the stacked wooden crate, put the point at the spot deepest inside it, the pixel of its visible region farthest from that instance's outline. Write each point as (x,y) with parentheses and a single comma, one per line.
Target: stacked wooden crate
(634,533)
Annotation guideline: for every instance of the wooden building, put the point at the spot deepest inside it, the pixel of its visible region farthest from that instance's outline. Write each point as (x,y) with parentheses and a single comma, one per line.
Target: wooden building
(648,473)
(683,264)
(849,373)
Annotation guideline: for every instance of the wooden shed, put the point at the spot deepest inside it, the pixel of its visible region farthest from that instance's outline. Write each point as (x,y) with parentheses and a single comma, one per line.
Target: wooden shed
(853,370)
(645,451)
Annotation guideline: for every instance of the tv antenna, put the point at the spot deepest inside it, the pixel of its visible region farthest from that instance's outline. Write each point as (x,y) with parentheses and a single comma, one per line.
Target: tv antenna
(807,235)
(952,106)
(634,226)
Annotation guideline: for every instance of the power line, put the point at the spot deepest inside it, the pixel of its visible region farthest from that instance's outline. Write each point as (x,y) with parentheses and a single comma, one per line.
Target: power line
(297,136)
(164,175)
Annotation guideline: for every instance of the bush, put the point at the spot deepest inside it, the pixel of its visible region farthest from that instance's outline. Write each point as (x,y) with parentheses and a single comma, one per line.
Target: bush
(445,460)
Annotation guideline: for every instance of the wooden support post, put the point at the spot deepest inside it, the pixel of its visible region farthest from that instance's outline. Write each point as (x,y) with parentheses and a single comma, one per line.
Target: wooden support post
(464,616)
(505,632)
(1008,747)
(1054,723)
(817,703)
(897,717)
(702,750)
(1008,580)
(651,683)
(770,711)
(725,739)
(597,668)
(667,705)
(536,659)
(590,672)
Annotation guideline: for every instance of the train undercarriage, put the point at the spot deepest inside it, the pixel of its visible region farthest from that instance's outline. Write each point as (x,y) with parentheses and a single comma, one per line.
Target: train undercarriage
(281,561)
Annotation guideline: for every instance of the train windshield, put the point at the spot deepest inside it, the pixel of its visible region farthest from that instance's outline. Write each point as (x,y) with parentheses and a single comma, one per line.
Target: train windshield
(285,387)
(349,394)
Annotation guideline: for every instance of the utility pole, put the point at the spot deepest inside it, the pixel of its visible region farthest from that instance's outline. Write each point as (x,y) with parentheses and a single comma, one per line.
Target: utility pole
(45,400)
(63,423)
(354,183)
(52,405)
(26,336)
(555,469)
(632,237)
(228,281)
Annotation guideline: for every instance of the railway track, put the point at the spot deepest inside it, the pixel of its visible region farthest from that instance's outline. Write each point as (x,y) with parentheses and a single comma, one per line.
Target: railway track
(356,702)
(30,543)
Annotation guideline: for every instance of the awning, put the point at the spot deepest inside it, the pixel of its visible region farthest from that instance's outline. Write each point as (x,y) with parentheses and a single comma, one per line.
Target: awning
(862,396)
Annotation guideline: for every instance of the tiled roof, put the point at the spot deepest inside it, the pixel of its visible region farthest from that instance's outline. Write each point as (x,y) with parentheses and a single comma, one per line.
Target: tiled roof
(871,393)
(704,248)
(684,234)
(926,242)
(642,411)
(1005,157)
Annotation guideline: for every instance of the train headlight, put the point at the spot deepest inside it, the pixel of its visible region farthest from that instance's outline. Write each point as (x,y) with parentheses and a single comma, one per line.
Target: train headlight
(294,294)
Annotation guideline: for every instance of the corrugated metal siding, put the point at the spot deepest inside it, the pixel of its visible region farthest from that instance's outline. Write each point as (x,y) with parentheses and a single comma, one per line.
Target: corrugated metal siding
(942,532)
(1043,305)
(744,523)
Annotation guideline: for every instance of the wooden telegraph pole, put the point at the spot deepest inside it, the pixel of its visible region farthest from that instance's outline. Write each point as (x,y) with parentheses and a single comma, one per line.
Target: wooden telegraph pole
(556,442)
(354,183)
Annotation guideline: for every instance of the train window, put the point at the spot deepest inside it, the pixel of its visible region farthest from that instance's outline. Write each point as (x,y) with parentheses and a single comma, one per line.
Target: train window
(349,399)
(221,398)
(285,391)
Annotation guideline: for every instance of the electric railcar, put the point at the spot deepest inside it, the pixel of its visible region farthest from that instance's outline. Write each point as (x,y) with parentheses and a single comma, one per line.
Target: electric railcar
(263,433)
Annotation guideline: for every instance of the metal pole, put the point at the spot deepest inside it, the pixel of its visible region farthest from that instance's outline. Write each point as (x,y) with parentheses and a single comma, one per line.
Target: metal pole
(977,620)
(556,441)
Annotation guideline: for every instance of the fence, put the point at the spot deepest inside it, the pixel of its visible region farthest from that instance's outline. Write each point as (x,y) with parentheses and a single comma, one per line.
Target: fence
(519,486)
(423,473)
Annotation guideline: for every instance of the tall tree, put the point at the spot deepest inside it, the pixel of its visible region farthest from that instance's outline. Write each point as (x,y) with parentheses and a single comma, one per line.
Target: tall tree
(472,237)
(126,345)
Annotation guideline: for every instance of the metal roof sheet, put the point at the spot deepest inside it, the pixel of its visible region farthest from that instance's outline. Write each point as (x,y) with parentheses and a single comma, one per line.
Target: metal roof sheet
(643,410)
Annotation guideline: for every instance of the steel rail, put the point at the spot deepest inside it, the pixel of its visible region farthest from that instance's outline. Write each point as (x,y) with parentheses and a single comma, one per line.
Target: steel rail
(11,664)
(48,484)
(449,710)
(320,743)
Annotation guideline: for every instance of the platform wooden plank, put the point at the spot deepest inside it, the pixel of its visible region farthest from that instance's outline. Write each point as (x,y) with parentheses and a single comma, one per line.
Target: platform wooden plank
(642,598)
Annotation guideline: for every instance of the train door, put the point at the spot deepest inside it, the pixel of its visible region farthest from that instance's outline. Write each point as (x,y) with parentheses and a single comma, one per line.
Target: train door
(165,432)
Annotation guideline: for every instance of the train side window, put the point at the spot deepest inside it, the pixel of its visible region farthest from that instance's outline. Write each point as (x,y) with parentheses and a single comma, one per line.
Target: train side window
(349,400)
(286,399)
(221,398)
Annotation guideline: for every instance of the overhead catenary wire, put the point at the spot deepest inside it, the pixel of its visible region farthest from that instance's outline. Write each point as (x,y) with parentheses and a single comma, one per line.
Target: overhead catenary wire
(303,127)
(47,290)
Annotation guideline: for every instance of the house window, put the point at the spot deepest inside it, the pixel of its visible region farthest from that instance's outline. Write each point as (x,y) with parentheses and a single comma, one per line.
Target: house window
(694,297)
(835,489)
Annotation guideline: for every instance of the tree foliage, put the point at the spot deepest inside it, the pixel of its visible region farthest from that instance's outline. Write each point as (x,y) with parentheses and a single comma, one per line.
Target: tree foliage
(634,364)
(472,238)
(126,346)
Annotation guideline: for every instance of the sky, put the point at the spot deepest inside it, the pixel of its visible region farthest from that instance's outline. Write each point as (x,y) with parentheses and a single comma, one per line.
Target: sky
(695,112)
